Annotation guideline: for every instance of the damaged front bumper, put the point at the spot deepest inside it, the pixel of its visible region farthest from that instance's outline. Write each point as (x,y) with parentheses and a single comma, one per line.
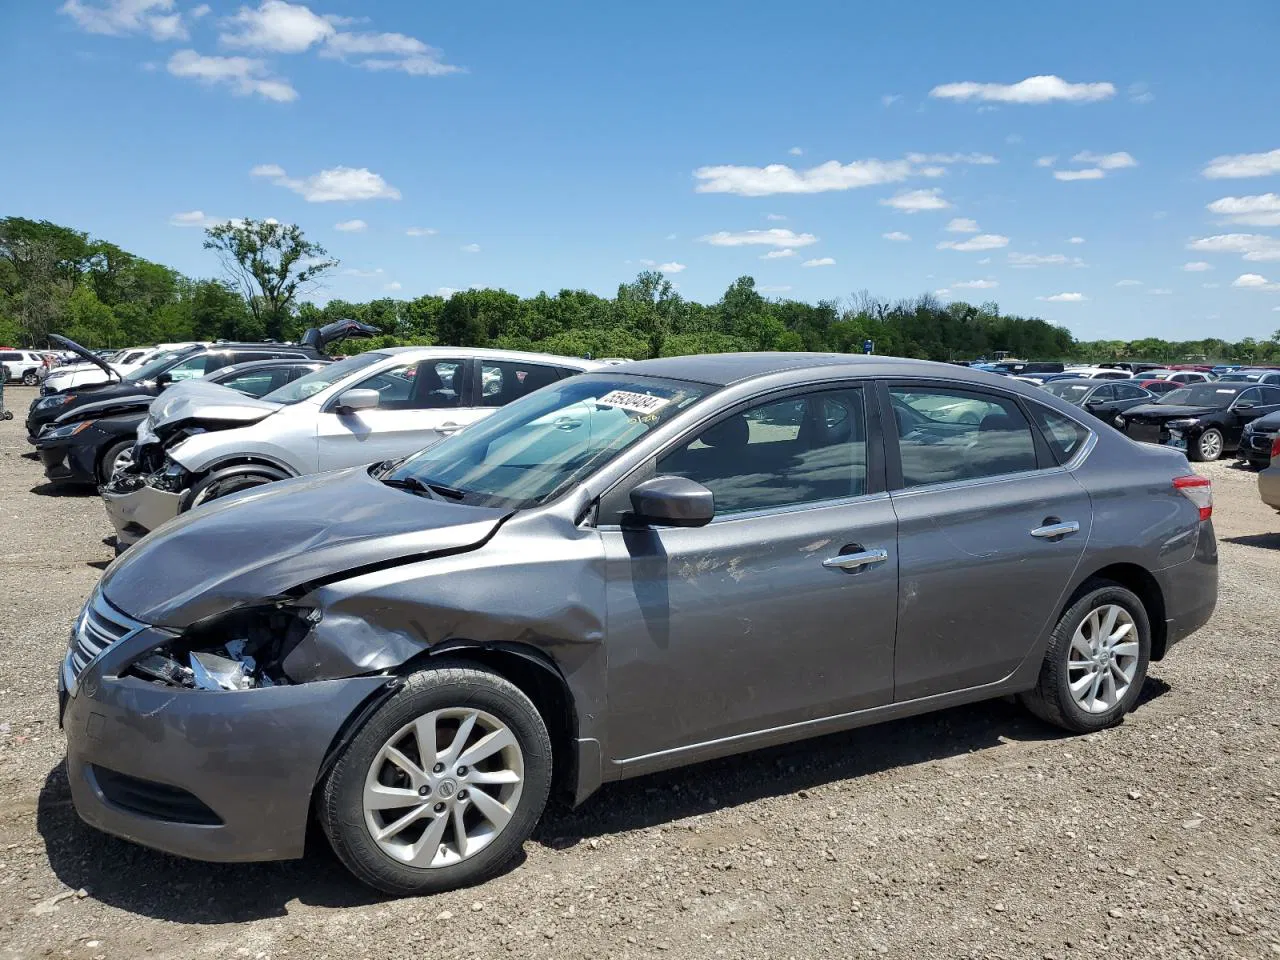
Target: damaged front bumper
(135,508)
(208,774)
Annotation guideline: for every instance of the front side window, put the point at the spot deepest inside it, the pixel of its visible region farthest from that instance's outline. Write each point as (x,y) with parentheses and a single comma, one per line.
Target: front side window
(1125,391)
(502,381)
(433,384)
(938,444)
(532,450)
(786,453)
(193,368)
(257,383)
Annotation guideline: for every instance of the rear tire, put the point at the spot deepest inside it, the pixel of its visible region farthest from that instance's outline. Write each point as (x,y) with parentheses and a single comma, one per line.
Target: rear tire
(1096,662)
(30,379)
(1207,448)
(383,779)
(107,465)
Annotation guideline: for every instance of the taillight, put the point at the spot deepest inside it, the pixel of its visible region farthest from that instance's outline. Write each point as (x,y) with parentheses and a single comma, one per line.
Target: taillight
(1199,491)
(1275,447)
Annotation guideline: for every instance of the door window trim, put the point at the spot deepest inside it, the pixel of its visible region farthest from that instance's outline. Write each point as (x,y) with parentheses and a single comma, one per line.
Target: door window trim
(468,392)
(877,489)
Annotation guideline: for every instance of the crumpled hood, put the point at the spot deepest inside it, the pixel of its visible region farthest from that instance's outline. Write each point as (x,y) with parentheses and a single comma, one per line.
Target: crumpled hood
(199,400)
(262,543)
(1165,411)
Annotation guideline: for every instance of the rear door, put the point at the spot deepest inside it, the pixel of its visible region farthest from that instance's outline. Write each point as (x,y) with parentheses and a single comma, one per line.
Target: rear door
(990,531)
(420,402)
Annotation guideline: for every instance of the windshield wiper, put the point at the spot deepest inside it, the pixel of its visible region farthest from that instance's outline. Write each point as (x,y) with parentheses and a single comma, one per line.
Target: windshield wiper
(412,484)
(453,493)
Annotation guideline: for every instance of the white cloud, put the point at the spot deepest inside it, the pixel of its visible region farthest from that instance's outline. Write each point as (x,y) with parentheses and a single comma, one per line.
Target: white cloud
(471,248)
(351,226)
(1254,281)
(670,236)
(985,260)
(446,292)
(1128,283)
(1105,161)
(1243,165)
(775,237)
(1260,210)
(983,241)
(201,11)
(889,99)
(962,225)
(353,272)
(1252,246)
(820,262)
(1046,161)
(671,267)
(1160,291)
(774,216)
(1064,298)
(780,178)
(195,218)
(796,151)
(278,27)
(1139,93)
(1042,89)
(244,75)
(896,235)
(1197,266)
(914,201)
(336,184)
(1211,286)
(393,286)
(421,232)
(980,159)
(942,293)
(976,284)
(1090,173)
(1075,240)
(1044,260)
(768,289)
(778,254)
(118,18)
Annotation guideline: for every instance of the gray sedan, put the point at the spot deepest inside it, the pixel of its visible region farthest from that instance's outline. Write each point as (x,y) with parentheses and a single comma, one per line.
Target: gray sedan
(626,571)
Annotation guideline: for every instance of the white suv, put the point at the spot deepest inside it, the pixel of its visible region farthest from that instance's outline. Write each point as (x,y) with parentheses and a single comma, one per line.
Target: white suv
(22,365)
(84,374)
(201,441)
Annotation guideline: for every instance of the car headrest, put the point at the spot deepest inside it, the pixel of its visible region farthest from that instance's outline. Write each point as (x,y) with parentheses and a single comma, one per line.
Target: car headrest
(731,434)
(998,421)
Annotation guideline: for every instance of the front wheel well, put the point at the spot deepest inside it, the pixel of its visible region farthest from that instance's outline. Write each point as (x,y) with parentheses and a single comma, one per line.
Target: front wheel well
(1139,581)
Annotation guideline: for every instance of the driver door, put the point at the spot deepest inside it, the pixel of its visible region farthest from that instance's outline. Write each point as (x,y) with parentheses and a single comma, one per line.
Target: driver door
(420,403)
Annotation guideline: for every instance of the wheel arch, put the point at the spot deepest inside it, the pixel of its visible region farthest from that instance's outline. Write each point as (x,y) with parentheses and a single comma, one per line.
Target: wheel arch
(1139,581)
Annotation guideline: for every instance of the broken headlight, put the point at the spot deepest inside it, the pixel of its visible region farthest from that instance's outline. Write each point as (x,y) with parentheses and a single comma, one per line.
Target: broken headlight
(242,649)
(172,479)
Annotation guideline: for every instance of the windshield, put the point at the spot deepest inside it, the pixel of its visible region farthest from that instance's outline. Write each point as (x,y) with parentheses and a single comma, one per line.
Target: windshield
(1201,395)
(1071,392)
(543,443)
(327,376)
(1239,377)
(149,371)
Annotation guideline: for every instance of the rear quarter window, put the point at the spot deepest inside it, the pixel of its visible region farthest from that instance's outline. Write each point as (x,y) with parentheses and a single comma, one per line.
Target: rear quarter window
(1064,436)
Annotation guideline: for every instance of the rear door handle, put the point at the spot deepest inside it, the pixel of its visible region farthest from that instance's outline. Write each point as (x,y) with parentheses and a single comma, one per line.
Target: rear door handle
(856,561)
(448,428)
(1056,530)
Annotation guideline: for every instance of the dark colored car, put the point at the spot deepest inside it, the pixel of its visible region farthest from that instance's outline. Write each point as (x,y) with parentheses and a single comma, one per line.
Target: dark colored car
(1105,399)
(89,443)
(625,571)
(186,363)
(1158,387)
(1258,440)
(1251,375)
(1204,419)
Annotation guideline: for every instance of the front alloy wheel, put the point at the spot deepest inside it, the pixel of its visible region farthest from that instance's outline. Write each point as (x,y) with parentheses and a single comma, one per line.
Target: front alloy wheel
(442,785)
(1209,446)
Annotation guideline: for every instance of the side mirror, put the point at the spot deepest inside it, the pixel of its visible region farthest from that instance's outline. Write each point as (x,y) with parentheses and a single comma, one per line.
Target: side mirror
(1245,404)
(673,502)
(355,400)
(163,380)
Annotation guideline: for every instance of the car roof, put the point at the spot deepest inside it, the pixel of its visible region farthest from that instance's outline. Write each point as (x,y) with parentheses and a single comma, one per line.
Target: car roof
(486,353)
(1083,381)
(723,369)
(276,362)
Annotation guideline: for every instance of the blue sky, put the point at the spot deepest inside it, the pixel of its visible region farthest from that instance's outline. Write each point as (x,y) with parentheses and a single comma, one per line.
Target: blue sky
(1132,190)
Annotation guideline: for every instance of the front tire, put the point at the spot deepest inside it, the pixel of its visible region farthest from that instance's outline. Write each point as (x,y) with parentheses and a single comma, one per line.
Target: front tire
(1208,447)
(442,785)
(112,460)
(1096,662)
(220,485)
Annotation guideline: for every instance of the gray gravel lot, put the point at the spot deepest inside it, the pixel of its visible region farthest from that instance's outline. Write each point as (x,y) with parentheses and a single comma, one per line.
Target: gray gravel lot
(977,832)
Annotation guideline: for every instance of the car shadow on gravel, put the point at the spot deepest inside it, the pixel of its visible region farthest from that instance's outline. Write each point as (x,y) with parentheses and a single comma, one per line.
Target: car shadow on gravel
(152,884)
(63,490)
(778,771)
(1267,541)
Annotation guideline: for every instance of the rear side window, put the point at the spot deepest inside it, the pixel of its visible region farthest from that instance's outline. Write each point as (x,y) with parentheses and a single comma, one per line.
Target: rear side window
(10,356)
(946,435)
(1064,436)
(1126,392)
(1270,395)
(502,381)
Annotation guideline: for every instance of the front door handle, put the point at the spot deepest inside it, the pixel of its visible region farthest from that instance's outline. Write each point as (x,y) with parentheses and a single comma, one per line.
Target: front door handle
(448,428)
(1056,530)
(856,561)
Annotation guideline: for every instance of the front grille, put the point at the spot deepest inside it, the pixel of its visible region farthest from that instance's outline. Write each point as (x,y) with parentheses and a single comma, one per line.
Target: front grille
(159,801)
(99,626)
(1147,432)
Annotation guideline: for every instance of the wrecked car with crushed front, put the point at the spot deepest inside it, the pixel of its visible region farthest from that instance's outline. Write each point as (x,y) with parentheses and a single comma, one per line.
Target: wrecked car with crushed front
(625,571)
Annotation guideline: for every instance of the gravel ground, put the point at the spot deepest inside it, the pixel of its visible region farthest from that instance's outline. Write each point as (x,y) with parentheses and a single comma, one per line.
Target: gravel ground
(976,832)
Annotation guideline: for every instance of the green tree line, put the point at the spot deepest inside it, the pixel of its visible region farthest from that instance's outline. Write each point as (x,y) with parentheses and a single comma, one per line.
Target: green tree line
(54,279)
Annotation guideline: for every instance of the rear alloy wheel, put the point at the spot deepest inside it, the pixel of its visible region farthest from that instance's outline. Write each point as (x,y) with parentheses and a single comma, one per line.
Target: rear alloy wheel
(1096,662)
(442,785)
(30,379)
(1208,447)
(116,457)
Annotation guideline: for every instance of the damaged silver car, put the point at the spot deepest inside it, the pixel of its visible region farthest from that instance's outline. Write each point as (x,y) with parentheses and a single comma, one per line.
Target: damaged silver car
(629,570)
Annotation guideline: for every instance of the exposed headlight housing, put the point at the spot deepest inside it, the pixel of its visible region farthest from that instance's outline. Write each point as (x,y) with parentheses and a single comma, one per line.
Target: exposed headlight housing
(172,479)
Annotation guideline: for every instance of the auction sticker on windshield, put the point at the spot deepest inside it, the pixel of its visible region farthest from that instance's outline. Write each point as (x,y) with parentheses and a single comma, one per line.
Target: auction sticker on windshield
(634,402)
